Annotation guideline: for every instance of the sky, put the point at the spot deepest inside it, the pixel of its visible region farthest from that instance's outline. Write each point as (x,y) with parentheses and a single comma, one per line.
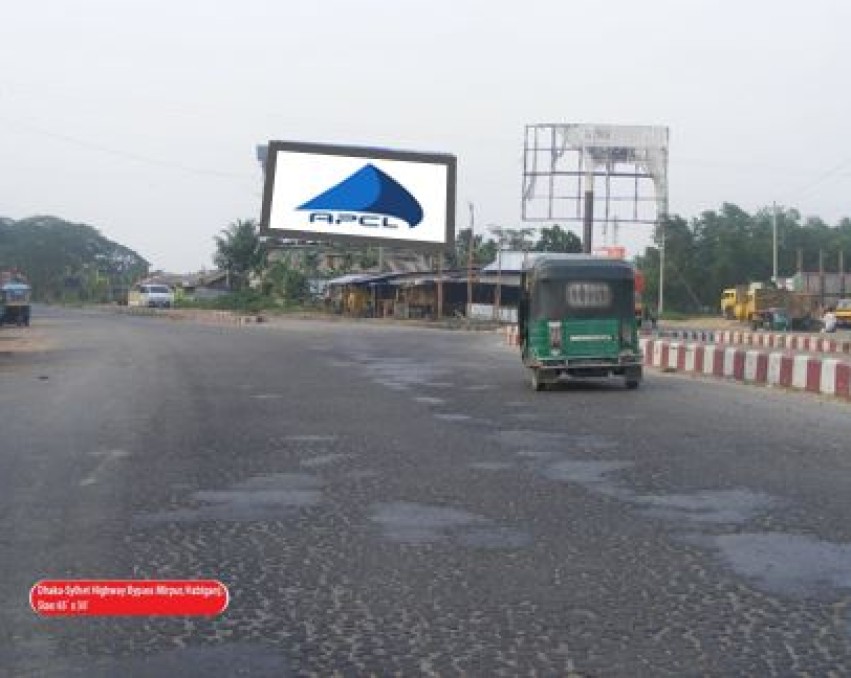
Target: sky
(141,117)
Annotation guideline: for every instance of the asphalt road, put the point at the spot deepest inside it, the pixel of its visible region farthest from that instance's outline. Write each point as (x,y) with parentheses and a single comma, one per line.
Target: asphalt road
(395,500)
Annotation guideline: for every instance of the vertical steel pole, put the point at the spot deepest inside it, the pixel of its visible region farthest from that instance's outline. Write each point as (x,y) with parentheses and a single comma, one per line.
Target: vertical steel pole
(470,246)
(774,250)
(498,293)
(440,285)
(588,216)
(661,307)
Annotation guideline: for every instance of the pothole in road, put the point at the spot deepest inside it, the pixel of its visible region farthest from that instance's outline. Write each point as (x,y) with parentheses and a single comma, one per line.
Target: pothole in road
(323,460)
(225,659)
(308,440)
(787,564)
(584,472)
(709,506)
(400,373)
(495,538)
(491,465)
(268,497)
(542,450)
(430,400)
(539,455)
(451,416)
(525,416)
(553,442)
(409,522)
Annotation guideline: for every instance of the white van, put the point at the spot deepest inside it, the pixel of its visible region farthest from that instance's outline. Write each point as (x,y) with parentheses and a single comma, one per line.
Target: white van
(151,295)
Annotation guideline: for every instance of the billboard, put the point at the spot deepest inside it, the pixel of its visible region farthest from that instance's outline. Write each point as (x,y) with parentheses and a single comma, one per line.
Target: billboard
(625,167)
(357,194)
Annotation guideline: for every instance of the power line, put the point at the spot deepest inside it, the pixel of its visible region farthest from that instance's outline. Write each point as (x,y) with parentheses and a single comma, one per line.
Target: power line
(127,155)
(822,178)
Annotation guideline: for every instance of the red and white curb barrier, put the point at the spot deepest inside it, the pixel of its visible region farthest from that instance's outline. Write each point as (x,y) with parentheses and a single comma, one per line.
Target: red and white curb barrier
(813,343)
(511,334)
(827,376)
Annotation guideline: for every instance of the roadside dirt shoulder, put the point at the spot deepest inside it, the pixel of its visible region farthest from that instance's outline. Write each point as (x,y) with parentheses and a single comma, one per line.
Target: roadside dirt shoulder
(23,340)
(702,323)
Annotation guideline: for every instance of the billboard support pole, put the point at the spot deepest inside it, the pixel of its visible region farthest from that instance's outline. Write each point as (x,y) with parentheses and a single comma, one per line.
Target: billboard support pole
(440,284)
(588,216)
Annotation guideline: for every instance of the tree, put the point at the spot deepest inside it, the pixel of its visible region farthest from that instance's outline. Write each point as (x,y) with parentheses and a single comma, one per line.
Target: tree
(368,258)
(484,251)
(63,261)
(517,239)
(288,283)
(238,251)
(554,239)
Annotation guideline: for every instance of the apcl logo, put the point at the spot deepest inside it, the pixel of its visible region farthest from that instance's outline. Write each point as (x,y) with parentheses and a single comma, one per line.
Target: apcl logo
(370,198)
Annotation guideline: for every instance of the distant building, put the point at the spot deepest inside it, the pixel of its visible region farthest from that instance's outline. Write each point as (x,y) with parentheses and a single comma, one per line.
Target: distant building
(192,286)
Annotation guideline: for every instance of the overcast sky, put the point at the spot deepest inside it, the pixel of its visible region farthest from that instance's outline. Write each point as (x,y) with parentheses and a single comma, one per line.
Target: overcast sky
(141,117)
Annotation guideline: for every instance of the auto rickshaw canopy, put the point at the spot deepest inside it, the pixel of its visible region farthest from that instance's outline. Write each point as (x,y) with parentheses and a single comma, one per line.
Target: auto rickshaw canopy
(579,285)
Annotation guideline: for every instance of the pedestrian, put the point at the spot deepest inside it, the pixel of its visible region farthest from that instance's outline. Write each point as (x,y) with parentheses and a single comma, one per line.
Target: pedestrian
(829,320)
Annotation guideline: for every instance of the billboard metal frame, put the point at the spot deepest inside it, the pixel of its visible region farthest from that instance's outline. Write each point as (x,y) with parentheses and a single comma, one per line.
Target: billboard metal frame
(561,161)
(449,160)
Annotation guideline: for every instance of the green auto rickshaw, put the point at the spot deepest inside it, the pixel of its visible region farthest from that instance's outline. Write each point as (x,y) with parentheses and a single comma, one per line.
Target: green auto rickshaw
(15,303)
(576,317)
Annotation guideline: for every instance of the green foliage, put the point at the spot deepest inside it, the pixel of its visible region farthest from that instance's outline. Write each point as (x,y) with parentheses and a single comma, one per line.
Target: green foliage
(484,251)
(554,239)
(287,283)
(68,263)
(238,251)
(517,239)
(247,300)
(368,258)
(727,247)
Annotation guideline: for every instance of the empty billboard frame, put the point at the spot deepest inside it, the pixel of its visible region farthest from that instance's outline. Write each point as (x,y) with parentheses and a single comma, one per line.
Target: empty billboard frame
(361,195)
(625,167)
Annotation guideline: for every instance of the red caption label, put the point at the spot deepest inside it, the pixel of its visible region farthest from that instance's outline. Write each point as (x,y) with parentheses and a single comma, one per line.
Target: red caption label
(126,597)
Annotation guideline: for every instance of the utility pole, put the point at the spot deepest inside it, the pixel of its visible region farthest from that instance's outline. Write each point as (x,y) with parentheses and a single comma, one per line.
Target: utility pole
(661,307)
(498,292)
(470,246)
(774,246)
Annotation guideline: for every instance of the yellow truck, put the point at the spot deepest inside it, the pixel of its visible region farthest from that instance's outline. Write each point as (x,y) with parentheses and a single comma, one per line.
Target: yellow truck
(765,306)
(731,298)
(843,313)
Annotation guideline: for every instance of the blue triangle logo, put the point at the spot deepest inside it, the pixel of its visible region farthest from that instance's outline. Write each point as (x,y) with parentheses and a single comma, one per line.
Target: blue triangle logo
(369,190)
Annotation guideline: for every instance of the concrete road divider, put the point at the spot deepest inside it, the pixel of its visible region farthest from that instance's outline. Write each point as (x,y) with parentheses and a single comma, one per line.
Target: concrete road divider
(815,374)
(814,343)
(511,334)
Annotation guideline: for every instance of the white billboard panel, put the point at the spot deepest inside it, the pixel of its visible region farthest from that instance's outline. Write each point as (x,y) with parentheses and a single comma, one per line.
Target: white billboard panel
(322,192)
(615,136)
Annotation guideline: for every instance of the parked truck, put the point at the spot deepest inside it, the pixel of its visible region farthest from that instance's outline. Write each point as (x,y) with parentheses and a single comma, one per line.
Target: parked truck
(764,306)
(731,298)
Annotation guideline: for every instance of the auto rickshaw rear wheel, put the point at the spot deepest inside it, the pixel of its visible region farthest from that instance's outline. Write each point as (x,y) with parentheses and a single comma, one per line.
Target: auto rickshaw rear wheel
(632,377)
